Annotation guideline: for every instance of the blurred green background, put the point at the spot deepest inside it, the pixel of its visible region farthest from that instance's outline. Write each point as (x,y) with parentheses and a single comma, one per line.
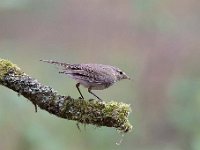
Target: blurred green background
(155,42)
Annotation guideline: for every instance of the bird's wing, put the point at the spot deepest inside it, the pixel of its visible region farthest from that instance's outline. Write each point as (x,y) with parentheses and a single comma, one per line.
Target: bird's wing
(87,73)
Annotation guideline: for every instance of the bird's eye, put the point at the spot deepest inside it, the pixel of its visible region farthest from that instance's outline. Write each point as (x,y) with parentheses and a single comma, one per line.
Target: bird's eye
(121,72)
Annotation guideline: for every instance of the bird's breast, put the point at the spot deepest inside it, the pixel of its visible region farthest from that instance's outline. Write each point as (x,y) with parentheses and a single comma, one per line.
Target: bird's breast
(94,85)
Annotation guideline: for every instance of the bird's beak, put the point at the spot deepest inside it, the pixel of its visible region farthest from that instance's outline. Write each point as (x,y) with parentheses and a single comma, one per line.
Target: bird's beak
(128,78)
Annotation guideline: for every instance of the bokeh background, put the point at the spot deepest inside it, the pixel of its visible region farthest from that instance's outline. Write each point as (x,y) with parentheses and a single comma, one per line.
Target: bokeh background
(157,43)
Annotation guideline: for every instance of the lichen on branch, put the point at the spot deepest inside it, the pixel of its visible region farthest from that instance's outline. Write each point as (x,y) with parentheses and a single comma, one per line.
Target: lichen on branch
(110,114)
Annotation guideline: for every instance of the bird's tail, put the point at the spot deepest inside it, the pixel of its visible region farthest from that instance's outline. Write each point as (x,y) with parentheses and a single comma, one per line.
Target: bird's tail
(56,63)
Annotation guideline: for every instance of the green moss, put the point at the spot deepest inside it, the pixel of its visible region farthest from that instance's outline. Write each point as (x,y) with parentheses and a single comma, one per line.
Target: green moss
(121,108)
(111,114)
(116,111)
(120,111)
(6,66)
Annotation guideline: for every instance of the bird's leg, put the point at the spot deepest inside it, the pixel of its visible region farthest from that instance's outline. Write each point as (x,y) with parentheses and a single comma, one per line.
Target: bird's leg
(89,90)
(77,86)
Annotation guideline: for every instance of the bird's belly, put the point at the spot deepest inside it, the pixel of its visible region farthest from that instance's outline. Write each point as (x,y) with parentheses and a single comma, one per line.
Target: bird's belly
(94,86)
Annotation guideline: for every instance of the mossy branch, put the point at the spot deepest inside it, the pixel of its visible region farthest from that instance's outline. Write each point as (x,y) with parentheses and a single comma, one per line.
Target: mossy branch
(110,114)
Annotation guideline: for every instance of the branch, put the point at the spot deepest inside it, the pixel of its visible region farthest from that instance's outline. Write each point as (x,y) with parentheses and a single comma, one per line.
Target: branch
(110,114)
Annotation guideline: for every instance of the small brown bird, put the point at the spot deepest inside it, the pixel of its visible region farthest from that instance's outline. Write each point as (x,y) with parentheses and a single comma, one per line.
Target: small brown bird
(91,76)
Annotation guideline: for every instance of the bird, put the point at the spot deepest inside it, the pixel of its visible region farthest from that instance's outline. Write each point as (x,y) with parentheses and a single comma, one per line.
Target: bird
(91,76)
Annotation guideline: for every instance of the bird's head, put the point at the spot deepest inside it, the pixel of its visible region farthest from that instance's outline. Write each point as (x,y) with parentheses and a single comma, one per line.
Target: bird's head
(120,74)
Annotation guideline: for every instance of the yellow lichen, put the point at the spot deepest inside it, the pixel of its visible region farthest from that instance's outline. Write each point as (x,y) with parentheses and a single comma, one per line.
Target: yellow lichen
(6,66)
